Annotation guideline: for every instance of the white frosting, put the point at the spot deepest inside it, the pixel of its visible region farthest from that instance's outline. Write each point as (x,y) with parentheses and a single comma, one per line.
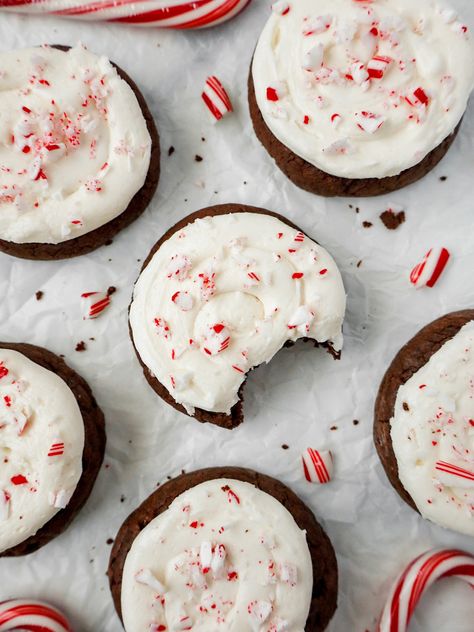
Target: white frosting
(361,126)
(251,273)
(438,427)
(223,556)
(38,413)
(74,145)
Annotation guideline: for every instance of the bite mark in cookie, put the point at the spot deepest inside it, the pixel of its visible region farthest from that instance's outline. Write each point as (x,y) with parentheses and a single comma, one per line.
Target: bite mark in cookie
(222,292)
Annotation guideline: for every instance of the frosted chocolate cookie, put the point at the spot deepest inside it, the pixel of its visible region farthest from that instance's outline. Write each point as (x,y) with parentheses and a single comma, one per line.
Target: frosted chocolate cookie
(79,152)
(52,442)
(360,98)
(222,292)
(424,422)
(223,548)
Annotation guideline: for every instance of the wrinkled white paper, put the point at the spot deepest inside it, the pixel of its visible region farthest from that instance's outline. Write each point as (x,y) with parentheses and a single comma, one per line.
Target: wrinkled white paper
(303,393)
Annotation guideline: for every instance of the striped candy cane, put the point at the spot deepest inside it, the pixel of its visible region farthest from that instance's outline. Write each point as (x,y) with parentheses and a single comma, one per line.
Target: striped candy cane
(171,14)
(417,578)
(35,616)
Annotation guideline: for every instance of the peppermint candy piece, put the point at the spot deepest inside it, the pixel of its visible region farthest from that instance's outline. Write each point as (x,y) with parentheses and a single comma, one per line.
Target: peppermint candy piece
(216,99)
(378,66)
(146,578)
(24,614)
(417,579)
(94,304)
(216,340)
(277,91)
(427,272)
(454,476)
(318,466)
(369,122)
(259,612)
(281,7)
(313,59)
(183,300)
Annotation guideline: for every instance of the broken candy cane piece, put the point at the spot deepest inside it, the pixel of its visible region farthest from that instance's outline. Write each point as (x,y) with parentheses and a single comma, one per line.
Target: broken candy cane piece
(278,91)
(359,73)
(146,578)
(369,122)
(216,340)
(416,579)
(94,304)
(61,498)
(453,475)
(289,573)
(258,612)
(313,59)
(183,300)
(378,66)
(428,271)
(317,25)
(57,448)
(318,466)
(216,98)
(281,7)
(301,319)
(179,267)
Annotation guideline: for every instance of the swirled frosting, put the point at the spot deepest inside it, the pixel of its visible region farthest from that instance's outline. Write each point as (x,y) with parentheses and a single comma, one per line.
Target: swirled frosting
(433,434)
(224,555)
(74,145)
(359,88)
(41,445)
(224,295)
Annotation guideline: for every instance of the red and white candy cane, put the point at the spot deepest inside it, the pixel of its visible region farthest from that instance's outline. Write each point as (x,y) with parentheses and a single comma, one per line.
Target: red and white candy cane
(318,466)
(170,14)
(216,99)
(94,304)
(416,579)
(427,272)
(34,616)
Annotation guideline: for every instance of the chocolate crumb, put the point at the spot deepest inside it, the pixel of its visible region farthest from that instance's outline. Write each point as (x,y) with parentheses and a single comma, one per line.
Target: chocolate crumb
(333,428)
(351,206)
(109,541)
(122,498)
(405,406)
(198,158)
(392,220)
(367,224)
(355,422)
(359,263)
(443,178)
(357,209)
(39,295)
(112,289)
(203,139)
(171,150)
(285,447)
(81,346)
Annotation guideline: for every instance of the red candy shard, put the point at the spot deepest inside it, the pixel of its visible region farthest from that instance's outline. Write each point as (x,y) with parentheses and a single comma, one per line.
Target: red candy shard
(428,271)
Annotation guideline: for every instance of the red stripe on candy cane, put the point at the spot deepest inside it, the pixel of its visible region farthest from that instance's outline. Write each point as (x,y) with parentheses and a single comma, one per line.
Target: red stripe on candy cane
(216,98)
(454,470)
(317,466)
(416,579)
(34,616)
(428,271)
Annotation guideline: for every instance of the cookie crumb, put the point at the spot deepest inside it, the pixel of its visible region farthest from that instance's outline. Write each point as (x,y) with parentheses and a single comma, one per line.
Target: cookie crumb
(333,428)
(39,295)
(367,224)
(109,541)
(443,178)
(391,219)
(122,498)
(359,263)
(112,289)
(285,447)
(405,406)
(356,422)
(198,158)
(171,150)
(81,346)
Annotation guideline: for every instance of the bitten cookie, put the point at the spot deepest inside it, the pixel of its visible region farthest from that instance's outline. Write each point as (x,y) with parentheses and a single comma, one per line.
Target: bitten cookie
(359,98)
(79,152)
(424,422)
(52,442)
(224,547)
(222,292)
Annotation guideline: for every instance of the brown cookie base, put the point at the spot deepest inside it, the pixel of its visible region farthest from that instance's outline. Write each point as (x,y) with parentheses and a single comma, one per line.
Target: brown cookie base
(94,446)
(308,177)
(410,359)
(236,416)
(325,574)
(104,234)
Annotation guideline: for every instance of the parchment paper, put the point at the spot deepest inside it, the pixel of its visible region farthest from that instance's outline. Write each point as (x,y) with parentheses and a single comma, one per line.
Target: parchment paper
(303,393)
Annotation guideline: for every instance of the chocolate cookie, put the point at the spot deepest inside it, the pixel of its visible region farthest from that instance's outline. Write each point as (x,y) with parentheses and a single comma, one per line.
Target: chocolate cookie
(235,417)
(325,575)
(409,360)
(308,177)
(102,235)
(93,452)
